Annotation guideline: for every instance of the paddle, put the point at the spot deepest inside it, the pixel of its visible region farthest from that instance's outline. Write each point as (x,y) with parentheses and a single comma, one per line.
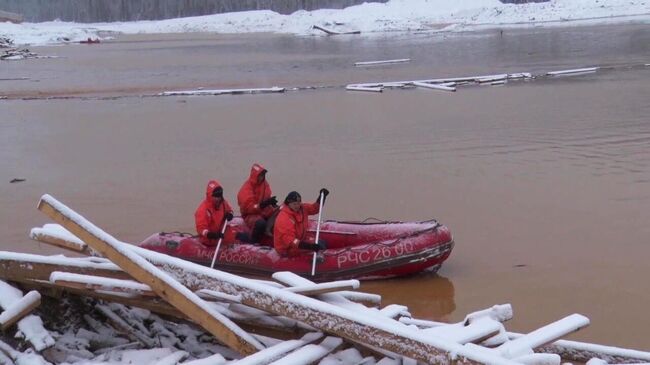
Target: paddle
(320,213)
(216,251)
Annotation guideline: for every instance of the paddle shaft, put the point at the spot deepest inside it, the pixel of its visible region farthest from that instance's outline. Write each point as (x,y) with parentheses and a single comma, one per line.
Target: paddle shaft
(320,213)
(216,251)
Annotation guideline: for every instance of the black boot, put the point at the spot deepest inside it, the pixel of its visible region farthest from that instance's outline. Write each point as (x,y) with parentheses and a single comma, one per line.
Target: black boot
(258,230)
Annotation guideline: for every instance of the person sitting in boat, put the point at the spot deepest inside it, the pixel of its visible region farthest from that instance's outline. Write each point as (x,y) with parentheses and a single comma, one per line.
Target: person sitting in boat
(211,216)
(290,230)
(257,206)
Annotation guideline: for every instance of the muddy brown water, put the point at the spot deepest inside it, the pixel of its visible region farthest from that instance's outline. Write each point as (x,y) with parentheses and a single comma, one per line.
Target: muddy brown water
(544,184)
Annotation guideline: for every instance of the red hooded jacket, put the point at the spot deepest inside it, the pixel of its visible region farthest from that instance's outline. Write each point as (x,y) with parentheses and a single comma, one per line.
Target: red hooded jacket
(291,228)
(211,218)
(251,194)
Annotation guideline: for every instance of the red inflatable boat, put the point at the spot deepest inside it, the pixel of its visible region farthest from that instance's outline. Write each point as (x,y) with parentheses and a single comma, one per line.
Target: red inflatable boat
(355,250)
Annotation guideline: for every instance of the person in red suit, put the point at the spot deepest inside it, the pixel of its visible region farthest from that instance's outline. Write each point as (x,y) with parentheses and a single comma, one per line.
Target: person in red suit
(211,216)
(256,203)
(290,230)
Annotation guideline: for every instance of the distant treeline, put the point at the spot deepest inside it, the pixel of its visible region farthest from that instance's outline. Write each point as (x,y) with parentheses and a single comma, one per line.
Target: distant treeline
(127,10)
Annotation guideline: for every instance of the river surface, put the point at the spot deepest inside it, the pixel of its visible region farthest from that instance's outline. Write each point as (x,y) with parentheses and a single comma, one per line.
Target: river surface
(545,184)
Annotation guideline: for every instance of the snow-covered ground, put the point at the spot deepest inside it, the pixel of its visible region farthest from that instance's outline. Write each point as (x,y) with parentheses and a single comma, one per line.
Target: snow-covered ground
(395,15)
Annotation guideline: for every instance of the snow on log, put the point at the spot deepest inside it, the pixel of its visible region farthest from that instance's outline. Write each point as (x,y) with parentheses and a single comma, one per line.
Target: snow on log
(100,283)
(19,309)
(520,75)
(356,326)
(573,71)
(172,359)
(543,335)
(539,359)
(323,288)
(31,326)
(434,86)
(216,359)
(142,270)
(367,299)
(311,353)
(491,78)
(56,235)
(383,62)
(476,331)
(499,312)
(274,352)
(215,295)
(569,350)
(364,88)
(395,310)
(583,351)
(121,325)
(274,89)
(26,268)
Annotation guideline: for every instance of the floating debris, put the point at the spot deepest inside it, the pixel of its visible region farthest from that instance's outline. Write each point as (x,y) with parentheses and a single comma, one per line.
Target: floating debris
(373,63)
(274,89)
(448,86)
(333,32)
(576,71)
(376,89)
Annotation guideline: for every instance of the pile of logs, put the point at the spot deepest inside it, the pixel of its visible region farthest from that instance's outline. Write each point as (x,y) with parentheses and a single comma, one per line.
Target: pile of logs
(290,320)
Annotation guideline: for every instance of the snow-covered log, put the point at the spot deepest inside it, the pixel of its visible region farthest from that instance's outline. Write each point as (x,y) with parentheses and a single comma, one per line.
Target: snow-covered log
(366,299)
(215,295)
(364,88)
(274,89)
(31,326)
(427,85)
(395,310)
(539,359)
(122,326)
(543,335)
(100,283)
(573,71)
(311,353)
(19,309)
(322,288)
(476,331)
(55,234)
(383,62)
(274,352)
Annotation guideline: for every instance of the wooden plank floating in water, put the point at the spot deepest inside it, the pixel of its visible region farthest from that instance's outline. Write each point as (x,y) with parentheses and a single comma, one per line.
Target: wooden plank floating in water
(573,71)
(142,270)
(274,89)
(364,88)
(444,87)
(384,62)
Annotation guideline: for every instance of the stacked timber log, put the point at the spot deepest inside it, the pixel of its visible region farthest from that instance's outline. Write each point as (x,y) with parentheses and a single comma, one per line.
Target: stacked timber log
(122,304)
